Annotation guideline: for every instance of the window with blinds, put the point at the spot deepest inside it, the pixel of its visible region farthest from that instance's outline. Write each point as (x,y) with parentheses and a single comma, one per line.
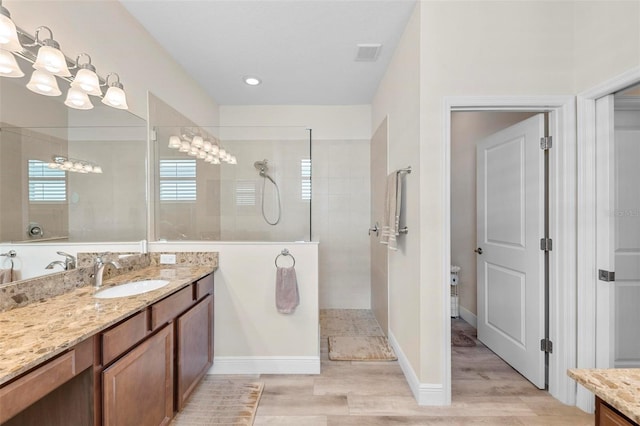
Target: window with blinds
(45,184)
(178,180)
(305,179)
(245,192)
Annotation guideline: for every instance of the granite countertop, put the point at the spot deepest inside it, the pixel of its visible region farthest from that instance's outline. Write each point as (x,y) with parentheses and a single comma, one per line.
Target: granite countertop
(618,387)
(35,333)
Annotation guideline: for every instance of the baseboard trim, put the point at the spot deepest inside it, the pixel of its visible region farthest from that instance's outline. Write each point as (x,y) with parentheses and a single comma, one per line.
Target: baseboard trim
(424,393)
(265,365)
(469,317)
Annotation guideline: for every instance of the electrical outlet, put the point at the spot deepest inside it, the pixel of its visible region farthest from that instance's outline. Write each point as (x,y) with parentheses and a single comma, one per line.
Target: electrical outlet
(167,259)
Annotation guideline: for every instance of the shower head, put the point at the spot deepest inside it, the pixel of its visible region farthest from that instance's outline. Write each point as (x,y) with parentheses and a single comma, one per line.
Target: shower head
(261,165)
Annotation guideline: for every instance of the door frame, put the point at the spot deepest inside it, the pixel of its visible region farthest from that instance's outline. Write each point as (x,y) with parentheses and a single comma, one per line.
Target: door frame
(562,217)
(586,259)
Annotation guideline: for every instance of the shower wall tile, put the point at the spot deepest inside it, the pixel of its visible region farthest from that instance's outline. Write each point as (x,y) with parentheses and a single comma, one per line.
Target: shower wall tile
(341,215)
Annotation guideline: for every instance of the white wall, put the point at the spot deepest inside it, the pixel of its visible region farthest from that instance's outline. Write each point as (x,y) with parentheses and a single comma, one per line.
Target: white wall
(398,97)
(340,201)
(117,43)
(250,336)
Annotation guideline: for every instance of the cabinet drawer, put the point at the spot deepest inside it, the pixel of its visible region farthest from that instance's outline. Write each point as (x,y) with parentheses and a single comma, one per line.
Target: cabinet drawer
(117,340)
(28,389)
(166,310)
(204,286)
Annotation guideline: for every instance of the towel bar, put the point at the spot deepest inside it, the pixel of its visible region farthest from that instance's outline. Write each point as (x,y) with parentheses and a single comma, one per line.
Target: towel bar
(285,252)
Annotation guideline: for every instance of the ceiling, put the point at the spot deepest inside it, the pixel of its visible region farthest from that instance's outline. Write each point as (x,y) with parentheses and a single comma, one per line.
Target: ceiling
(302,50)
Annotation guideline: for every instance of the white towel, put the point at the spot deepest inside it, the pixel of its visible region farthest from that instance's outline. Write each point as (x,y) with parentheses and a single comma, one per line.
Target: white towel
(392,202)
(287,296)
(6,276)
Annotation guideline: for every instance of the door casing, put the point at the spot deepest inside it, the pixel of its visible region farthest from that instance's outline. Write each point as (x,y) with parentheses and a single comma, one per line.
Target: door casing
(562,170)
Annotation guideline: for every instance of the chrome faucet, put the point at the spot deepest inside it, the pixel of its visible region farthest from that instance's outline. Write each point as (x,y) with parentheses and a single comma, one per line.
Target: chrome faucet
(68,263)
(98,269)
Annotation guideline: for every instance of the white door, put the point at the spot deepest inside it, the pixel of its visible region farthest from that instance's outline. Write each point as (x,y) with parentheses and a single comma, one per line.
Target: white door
(379,266)
(618,233)
(510,264)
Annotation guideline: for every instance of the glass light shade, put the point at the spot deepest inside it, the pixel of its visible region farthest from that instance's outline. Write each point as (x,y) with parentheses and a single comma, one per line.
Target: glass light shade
(233,160)
(77,99)
(8,34)
(52,60)
(174,142)
(8,65)
(222,153)
(215,149)
(53,165)
(43,83)
(209,158)
(197,141)
(88,168)
(215,160)
(77,166)
(87,81)
(116,98)
(202,155)
(185,146)
(67,165)
(206,146)
(97,169)
(193,151)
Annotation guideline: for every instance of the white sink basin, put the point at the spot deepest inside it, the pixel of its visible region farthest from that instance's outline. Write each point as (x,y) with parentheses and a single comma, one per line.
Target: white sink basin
(130,289)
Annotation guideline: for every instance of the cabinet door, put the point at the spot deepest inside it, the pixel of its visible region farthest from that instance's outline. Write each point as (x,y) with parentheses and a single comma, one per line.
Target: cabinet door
(138,388)
(195,347)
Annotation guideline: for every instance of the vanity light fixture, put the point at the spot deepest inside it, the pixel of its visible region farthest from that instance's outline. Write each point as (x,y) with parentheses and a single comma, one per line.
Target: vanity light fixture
(77,99)
(50,58)
(115,96)
(8,65)
(86,78)
(43,83)
(61,162)
(192,143)
(8,33)
(251,80)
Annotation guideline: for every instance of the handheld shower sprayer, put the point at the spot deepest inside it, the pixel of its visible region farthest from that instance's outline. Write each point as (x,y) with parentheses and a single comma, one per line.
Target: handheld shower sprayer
(262,168)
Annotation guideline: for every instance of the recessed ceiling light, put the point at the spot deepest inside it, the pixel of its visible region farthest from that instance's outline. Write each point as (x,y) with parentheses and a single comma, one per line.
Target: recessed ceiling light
(252,81)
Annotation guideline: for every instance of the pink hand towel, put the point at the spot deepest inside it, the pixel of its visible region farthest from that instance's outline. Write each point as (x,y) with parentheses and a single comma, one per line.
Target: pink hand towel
(287,297)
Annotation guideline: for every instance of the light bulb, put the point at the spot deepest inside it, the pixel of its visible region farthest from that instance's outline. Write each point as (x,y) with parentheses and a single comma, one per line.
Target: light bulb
(87,80)
(43,83)
(174,142)
(51,60)
(8,65)
(116,98)
(8,34)
(77,99)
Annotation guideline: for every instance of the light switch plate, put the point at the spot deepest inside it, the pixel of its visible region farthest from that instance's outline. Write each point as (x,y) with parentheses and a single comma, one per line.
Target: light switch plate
(167,259)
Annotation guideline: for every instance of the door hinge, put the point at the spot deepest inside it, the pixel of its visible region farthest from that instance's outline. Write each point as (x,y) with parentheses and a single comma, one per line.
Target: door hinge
(546,142)
(608,276)
(154,134)
(546,244)
(546,346)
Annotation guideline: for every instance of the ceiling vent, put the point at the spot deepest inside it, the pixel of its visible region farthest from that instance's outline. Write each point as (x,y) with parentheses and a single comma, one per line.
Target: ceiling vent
(368,52)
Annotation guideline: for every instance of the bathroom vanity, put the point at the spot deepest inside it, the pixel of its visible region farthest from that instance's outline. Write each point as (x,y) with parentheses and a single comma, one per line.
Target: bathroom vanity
(76,359)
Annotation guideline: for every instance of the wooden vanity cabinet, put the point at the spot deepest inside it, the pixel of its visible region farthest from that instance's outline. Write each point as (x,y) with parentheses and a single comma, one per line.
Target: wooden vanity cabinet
(606,415)
(194,330)
(56,393)
(138,388)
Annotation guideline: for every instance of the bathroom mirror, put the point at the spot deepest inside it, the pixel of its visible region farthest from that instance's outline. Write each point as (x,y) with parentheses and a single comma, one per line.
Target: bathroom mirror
(102,200)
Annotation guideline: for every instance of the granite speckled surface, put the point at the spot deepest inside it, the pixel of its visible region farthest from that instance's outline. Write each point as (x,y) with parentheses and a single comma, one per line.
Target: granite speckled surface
(618,387)
(34,333)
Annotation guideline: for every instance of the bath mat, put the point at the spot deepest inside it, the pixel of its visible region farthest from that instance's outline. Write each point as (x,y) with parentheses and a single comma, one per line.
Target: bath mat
(349,322)
(458,338)
(221,402)
(360,348)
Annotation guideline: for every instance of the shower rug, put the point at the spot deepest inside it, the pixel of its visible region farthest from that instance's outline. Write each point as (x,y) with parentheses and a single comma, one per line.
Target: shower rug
(360,348)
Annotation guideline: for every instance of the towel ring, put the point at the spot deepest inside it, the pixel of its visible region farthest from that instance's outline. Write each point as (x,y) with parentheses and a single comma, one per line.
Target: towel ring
(285,252)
